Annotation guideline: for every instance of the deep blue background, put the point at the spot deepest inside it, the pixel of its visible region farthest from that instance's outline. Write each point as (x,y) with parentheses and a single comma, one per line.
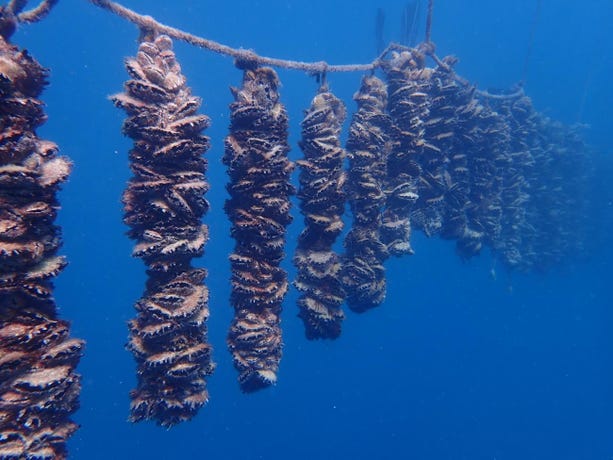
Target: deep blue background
(456,364)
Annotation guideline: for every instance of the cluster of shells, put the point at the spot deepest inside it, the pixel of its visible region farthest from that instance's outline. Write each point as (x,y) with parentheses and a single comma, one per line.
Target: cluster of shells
(464,146)
(39,388)
(426,151)
(491,170)
(544,183)
(408,84)
(483,140)
(164,204)
(322,201)
(259,210)
(429,152)
(368,146)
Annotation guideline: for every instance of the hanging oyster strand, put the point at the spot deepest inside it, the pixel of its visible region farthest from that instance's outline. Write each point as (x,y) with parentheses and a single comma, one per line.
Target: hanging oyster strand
(408,86)
(459,193)
(259,172)
(446,183)
(368,145)
(39,388)
(482,142)
(164,204)
(322,202)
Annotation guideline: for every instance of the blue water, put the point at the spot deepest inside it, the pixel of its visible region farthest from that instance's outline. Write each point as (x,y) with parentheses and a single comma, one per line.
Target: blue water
(456,364)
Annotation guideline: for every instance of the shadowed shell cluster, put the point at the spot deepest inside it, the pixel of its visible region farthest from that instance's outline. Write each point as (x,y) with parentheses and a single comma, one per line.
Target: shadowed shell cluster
(39,388)
(164,205)
(544,182)
(258,208)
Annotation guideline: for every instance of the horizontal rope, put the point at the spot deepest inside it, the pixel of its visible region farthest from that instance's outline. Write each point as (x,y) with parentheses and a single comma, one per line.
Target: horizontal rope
(147,22)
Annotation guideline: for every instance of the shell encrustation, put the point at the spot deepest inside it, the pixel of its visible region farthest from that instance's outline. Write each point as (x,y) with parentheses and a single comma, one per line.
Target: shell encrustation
(322,201)
(368,146)
(39,388)
(164,205)
(258,208)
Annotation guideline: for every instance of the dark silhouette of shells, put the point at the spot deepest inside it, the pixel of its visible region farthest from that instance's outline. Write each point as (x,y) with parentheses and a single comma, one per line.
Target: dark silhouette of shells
(164,204)
(368,146)
(484,136)
(543,180)
(438,132)
(39,388)
(258,208)
(322,201)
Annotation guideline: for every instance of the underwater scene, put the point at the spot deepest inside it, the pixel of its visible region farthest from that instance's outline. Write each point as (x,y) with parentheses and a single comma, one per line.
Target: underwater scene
(306,230)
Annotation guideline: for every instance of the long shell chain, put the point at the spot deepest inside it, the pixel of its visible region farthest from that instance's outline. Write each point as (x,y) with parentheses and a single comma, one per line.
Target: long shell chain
(164,204)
